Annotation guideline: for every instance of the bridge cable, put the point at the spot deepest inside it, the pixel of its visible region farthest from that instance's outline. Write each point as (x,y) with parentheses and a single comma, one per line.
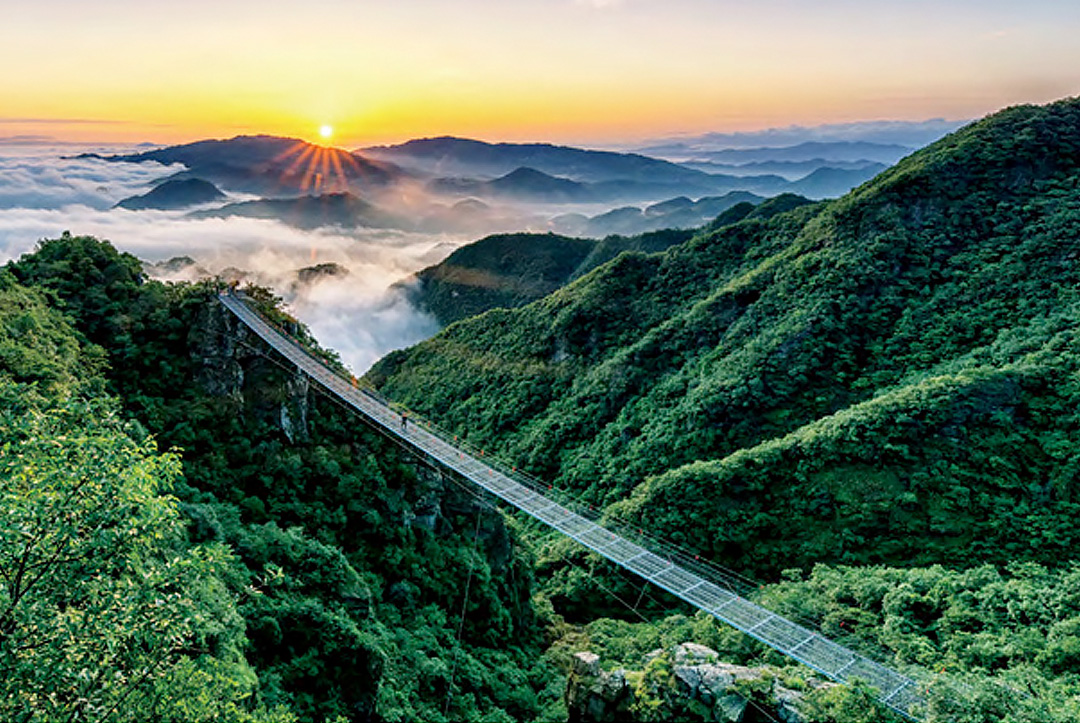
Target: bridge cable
(461,622)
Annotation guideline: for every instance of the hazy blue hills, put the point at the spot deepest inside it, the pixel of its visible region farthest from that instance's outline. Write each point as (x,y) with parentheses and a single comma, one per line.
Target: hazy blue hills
(275,167)
(271,165)
(910,134)
(810,151)
(462,157)
(678,212)
(830,182)
(791,170)
(520,184)
(542,173)
(175,194)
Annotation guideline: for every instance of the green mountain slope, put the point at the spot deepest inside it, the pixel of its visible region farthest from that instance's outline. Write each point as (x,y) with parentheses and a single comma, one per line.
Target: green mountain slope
(890,377)
(510,270)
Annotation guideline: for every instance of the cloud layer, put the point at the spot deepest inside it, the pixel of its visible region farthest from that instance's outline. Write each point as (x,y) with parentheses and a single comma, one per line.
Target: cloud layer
(359,315)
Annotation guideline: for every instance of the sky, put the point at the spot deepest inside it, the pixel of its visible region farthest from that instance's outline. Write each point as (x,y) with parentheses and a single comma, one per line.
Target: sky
(581,71)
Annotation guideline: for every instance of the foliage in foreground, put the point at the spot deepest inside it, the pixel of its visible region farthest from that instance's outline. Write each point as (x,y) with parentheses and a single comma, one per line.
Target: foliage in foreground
(106,612)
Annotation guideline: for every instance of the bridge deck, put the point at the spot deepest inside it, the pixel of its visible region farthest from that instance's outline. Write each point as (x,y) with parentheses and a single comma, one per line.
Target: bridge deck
(829,658)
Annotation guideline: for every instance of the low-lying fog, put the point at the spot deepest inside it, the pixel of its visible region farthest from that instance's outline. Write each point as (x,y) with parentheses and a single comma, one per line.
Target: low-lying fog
(357,314)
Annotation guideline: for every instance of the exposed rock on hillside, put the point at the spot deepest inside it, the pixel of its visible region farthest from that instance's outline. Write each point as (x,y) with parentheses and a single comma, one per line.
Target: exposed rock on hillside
(686,683)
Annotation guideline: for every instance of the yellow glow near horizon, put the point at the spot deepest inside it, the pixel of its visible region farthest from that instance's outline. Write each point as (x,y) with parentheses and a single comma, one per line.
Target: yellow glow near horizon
(546,70)
(327,132)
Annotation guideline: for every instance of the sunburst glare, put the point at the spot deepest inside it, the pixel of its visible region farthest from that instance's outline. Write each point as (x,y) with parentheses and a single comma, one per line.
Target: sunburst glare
(319,169)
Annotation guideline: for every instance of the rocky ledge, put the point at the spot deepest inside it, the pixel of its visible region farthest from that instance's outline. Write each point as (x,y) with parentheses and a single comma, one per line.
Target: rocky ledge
(687,683)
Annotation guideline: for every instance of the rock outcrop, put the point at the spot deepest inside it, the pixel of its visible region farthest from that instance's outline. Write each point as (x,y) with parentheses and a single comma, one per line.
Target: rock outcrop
(686,683)
(228,364)
(231,362)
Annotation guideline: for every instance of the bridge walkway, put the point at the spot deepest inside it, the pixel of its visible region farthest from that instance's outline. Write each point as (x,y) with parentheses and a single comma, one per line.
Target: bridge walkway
(678,576)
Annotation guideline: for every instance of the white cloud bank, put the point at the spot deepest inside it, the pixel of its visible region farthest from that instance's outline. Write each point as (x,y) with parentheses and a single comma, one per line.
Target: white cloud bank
(359,315)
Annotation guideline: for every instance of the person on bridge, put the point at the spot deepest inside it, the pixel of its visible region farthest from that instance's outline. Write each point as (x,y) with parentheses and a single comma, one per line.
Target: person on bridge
(404,421)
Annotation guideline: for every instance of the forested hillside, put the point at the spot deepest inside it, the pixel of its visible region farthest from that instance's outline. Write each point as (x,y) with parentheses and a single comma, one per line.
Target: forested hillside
(510,270)
(886,378)
(279,561)
(891,378)
(888,384)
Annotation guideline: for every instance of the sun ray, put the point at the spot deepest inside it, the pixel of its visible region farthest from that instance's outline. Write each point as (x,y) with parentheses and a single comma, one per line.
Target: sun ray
(342,179)
(316,169)
(298,165)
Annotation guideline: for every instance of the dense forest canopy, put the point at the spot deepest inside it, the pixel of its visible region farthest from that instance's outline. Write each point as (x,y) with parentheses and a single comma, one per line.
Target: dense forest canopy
(298,554)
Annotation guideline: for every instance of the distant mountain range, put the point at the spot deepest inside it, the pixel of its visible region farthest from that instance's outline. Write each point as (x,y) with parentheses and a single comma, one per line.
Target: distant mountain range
(680,212)
(462,157)
(477,187)
(544,173)
(520,184)
(816,151)
(270,165)
(911,134)
(529,185)
(789,170)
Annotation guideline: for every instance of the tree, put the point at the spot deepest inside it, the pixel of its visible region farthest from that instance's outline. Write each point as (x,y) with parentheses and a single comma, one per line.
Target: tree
(105,613)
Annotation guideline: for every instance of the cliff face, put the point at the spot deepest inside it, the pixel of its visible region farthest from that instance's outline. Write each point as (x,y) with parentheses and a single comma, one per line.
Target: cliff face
(230,361)
(442,506)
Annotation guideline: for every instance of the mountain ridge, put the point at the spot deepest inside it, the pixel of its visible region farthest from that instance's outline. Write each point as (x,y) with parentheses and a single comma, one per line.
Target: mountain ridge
(174,194)
(272,164)
(720,378)
(328,210)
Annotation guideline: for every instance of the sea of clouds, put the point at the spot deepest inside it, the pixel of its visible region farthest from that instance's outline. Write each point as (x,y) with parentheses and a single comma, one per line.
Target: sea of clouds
(45,191)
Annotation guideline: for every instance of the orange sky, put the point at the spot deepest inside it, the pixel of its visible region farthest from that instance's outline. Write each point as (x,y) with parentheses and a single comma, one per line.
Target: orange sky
(556,70)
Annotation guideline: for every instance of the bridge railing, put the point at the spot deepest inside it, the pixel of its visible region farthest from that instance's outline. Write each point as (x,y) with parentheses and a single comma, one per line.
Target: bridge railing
(706,586)
(674,553)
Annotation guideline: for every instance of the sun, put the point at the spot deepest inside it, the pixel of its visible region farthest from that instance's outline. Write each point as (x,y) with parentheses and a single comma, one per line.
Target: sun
(326,131)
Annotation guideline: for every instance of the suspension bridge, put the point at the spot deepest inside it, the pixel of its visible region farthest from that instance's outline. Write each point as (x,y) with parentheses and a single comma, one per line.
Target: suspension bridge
(673,572)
